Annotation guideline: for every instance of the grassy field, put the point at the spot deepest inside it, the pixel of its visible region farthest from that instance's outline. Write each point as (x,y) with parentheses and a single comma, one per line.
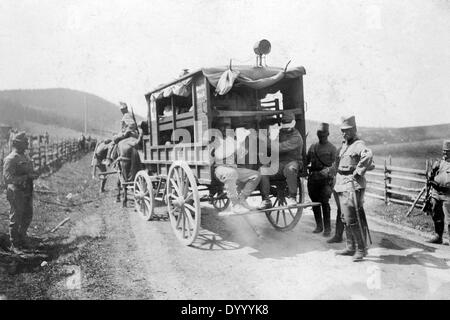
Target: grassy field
(55,132)
(409,154)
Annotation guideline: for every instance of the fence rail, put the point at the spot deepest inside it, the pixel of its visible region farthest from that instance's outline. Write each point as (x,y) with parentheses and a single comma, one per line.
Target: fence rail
(408,187)
(46,157)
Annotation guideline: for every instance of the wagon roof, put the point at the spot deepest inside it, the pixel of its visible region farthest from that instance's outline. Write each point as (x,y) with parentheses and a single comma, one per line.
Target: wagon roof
(252,76)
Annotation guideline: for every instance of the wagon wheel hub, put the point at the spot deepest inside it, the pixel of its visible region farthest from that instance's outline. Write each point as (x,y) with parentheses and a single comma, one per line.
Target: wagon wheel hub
(140,195)
(179,202)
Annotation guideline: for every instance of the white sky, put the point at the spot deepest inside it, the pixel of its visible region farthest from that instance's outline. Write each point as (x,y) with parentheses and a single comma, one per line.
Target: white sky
(386,61)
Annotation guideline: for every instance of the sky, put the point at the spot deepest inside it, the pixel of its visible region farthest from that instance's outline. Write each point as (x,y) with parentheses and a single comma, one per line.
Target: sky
(385,61)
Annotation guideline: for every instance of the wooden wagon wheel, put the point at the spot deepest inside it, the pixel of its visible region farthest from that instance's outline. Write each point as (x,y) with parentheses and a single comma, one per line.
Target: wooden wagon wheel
(220,201)
(183,202)
(285,219)
(143,195)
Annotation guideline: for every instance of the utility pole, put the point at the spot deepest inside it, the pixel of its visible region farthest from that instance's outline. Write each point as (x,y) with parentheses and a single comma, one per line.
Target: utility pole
(85,115)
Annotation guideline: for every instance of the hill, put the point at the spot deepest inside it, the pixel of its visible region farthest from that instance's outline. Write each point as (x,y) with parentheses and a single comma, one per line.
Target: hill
(65,108)
(61,107)
(383,136)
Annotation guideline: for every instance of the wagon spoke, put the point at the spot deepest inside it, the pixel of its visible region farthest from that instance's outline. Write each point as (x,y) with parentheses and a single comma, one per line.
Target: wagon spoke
(175,186)
(278,216)
(177,178)
(188,197)
(189,219)
(290,212)
(184,224)
(284,217)
(185,187)
(137,188)
(173,196)
(178,219)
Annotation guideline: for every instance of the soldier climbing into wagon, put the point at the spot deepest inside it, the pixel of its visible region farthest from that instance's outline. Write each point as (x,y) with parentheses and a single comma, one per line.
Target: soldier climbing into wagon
(289,148)
(231,172)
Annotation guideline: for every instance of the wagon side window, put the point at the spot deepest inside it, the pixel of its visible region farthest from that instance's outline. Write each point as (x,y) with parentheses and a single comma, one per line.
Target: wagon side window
(174,112)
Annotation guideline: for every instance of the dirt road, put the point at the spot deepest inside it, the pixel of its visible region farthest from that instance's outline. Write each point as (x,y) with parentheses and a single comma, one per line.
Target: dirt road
(111,253)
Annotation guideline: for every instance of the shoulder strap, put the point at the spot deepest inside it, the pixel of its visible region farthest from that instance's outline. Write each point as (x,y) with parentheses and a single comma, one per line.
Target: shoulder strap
(317,155)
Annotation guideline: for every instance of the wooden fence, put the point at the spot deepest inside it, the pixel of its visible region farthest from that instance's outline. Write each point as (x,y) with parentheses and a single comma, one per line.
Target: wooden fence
(399,185)
(46,157)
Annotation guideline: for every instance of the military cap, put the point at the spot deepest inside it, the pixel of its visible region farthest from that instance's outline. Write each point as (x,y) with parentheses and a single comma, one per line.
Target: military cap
(288,117)
(348,122)
(324,127)
(21,137)
(446,145)
(123,105)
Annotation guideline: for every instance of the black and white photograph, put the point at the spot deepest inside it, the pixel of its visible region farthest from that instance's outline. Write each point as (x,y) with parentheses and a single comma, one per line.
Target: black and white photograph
(210,151)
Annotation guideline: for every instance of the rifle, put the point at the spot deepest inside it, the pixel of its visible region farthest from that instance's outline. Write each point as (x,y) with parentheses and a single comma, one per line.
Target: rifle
(427,206)
(134,118)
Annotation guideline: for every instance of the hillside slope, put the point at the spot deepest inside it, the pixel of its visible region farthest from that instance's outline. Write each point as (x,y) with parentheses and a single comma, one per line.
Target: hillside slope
(66,108)
(376,136)
(61,107)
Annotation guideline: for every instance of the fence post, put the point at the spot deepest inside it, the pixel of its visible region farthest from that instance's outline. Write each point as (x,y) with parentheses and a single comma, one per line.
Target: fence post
(40,155)
(46,154)
(1,165)
(387,181)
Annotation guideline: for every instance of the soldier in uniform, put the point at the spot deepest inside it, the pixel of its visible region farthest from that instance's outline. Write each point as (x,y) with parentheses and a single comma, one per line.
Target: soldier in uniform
(128,128)
(100,155)
(353,161)
(321,156)
(128,125)
(233,172)
(440,193)
(289,148)
(18,175)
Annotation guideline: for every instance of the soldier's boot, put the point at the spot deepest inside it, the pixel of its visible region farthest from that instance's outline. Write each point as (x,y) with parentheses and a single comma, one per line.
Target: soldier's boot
(339,231)
(350,244)
(326,221)
(102,185)
(360,251)
(439,229)
(318,218)
(448,229)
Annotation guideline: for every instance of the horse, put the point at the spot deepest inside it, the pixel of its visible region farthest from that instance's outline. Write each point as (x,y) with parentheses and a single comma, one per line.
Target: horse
(126,158)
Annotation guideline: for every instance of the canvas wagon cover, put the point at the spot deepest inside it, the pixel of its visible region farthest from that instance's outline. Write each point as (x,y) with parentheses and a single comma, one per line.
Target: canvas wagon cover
(224,78)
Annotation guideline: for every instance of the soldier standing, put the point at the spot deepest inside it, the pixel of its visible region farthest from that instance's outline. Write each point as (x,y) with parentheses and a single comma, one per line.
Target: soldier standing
(440,193)
(19,174)
(353,161)
(321,156)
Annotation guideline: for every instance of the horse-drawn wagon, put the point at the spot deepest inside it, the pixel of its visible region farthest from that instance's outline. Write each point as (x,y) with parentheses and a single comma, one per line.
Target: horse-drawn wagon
(176,151)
